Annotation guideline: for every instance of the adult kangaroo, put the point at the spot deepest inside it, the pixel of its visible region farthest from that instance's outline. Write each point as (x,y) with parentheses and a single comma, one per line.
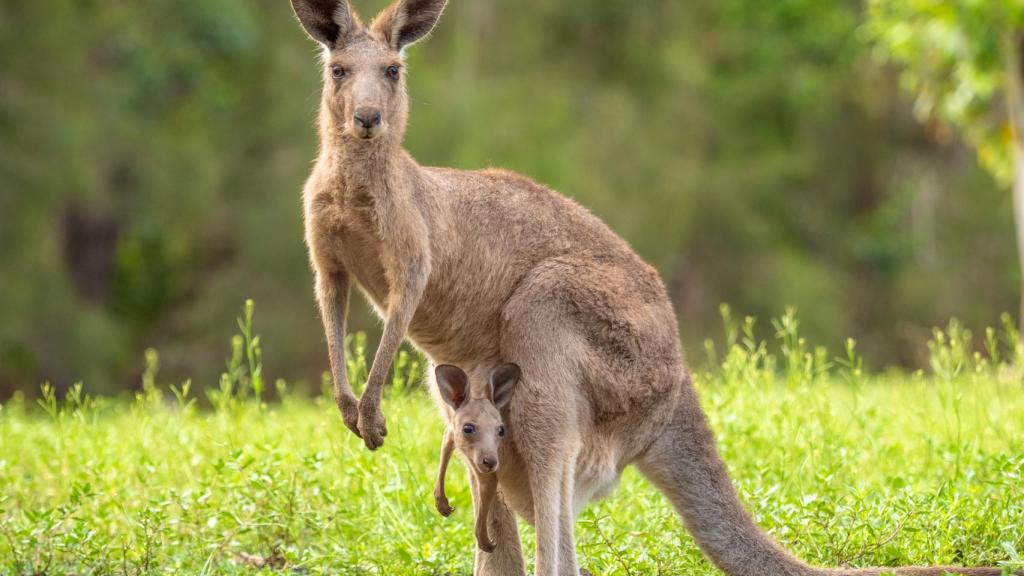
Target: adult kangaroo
(485,267)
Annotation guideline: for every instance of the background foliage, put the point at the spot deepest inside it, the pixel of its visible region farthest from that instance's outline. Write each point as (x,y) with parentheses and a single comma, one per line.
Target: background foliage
(956,58)
(151,156)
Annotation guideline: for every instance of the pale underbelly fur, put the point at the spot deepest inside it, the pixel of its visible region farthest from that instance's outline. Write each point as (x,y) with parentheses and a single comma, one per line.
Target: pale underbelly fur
(595,478)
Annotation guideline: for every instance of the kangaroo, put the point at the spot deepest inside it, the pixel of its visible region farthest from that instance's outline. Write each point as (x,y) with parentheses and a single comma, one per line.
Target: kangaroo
(482,267)
(476,428)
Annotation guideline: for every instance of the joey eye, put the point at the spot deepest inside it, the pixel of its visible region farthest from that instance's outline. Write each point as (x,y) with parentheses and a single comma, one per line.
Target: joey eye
(468,429)
(392,72)
(337,72)
(501,431)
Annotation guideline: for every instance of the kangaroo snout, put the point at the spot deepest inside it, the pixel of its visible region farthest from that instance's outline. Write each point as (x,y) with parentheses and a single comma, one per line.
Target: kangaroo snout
(489,463)
(367,122)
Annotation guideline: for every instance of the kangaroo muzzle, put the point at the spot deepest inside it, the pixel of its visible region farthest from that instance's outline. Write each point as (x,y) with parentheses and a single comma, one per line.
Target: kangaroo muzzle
(367,122)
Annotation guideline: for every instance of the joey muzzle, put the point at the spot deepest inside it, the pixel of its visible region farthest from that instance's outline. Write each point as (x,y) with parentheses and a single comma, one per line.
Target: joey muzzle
(489,463)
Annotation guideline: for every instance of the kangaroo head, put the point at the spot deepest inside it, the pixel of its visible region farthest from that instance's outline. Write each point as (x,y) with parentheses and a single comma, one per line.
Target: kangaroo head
(476,418)
(363,77)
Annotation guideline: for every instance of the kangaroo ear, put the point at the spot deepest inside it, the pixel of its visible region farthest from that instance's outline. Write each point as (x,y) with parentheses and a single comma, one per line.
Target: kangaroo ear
(453,384)
(406,21)
(503,383)
(326,21)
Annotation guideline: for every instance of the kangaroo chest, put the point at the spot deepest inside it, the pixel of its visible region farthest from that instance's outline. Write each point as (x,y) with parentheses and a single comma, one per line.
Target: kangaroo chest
(453,320)
(345,231)
(360,253)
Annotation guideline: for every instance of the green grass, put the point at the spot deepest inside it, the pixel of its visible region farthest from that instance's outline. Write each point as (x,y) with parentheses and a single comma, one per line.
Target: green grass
(843,468)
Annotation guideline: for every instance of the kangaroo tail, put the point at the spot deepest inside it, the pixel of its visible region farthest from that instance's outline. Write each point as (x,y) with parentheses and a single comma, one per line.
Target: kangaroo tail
(684,464)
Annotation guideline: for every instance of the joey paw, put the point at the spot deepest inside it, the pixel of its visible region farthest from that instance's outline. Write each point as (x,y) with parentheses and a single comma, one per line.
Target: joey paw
(486,545)
(444,509)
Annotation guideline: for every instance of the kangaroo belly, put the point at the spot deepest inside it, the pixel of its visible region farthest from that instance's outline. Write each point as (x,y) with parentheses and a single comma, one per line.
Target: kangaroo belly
(514,484)
(458,321)
(597,471)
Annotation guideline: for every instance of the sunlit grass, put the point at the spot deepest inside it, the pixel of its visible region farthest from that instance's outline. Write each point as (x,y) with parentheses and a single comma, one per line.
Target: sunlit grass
(841,467)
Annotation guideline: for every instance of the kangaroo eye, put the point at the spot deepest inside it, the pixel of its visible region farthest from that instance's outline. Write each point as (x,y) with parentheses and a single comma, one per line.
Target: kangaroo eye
(501,431)
(392,72)
(468,429)
(337,72)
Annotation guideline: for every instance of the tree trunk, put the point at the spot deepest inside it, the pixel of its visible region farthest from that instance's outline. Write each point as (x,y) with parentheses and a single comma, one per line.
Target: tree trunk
(1015,105)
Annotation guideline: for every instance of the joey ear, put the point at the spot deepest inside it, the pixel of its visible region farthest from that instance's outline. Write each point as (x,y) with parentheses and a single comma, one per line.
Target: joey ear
(326,21)
(503,383)
(453,384)
(406,21)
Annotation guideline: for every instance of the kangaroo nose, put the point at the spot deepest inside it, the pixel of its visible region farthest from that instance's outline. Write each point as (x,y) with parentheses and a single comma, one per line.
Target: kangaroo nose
(489,462)
(366,118)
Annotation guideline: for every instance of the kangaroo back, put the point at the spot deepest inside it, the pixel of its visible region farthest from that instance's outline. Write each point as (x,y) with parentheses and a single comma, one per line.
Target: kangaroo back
(684,464)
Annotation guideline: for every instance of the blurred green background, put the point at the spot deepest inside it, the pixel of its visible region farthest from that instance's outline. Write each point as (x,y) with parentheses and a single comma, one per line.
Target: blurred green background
(758,153)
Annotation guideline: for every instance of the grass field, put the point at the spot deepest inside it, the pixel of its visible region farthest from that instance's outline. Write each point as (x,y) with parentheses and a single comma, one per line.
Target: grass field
(843,468)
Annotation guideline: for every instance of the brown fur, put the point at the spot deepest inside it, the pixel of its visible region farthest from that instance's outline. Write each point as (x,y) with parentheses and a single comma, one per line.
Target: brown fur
(479,266)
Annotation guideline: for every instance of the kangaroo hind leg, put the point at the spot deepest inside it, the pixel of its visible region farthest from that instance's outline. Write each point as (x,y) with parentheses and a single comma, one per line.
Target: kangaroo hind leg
(544,420)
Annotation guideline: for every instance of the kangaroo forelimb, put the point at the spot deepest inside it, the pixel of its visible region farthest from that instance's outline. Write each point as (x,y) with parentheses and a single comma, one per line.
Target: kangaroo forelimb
(372,427)
(332,290)
(488,489)
(440,498)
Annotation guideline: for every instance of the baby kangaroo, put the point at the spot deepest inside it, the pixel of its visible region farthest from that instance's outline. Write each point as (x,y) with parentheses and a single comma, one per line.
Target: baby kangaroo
(476,428)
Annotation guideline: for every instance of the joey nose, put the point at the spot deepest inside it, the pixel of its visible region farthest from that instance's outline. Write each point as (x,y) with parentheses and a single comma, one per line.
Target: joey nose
(366,118)
(489,463)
